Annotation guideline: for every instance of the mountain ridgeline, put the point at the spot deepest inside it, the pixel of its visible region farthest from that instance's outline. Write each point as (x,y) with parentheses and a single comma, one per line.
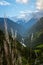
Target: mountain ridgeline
(37,31)
(38,26)
(10,24)
(21,26)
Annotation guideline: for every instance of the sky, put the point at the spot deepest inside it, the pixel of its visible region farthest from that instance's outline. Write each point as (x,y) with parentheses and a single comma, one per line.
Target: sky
(19,7)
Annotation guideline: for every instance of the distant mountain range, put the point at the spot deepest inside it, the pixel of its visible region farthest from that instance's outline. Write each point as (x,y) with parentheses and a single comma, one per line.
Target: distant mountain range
(24,27)
(22,24)
(38,26)
(11,24)
(21,27)
(27,17)
(35,33)
(29,20)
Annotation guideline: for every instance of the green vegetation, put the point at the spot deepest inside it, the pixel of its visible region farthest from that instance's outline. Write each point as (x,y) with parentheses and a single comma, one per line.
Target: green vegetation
(40,46)
(27,54)
(37,50)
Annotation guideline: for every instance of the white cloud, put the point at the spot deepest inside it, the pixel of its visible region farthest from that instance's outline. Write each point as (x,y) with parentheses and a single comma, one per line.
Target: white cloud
(23,14)
(4,3)
(39,4)
(28,11)
(22,1)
